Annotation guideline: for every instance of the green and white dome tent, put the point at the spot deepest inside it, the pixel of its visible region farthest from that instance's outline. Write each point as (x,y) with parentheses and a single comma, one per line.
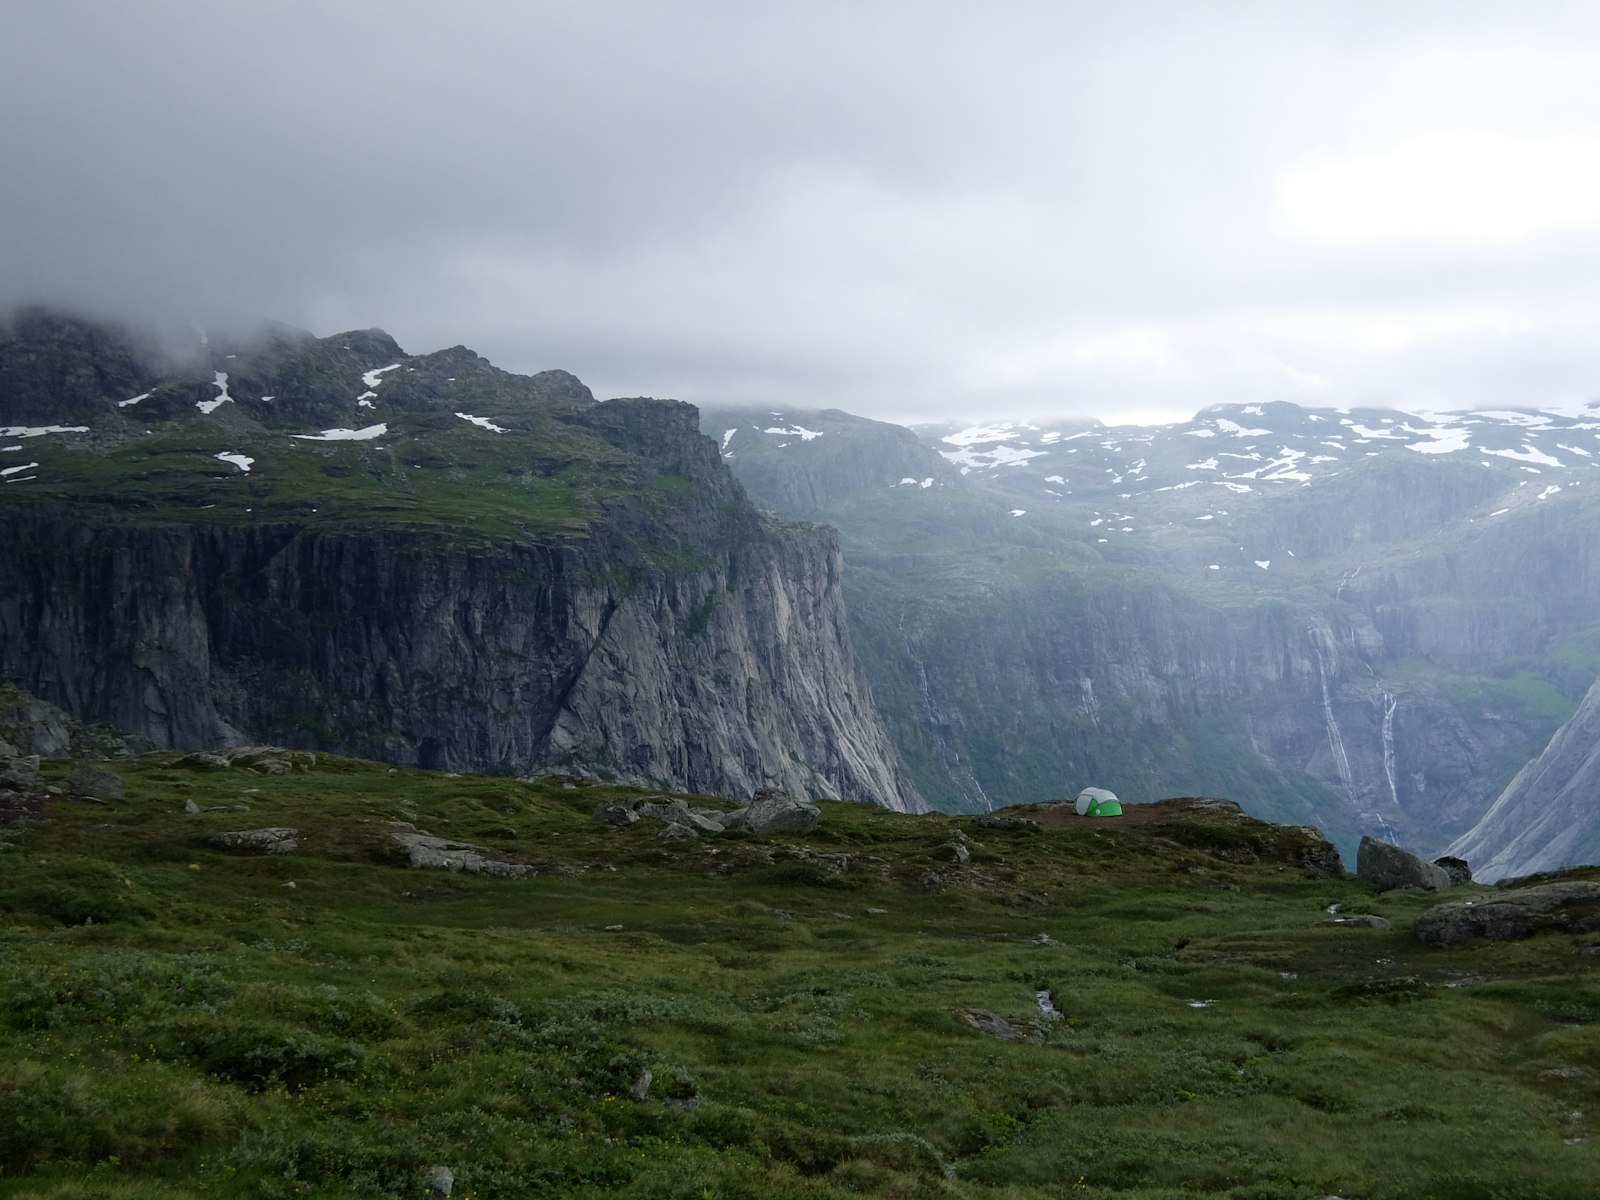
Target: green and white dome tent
(1097,802)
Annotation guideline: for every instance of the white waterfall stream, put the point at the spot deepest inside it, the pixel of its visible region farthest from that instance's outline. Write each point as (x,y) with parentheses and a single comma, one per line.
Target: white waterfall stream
(1390,703)
(1320,639)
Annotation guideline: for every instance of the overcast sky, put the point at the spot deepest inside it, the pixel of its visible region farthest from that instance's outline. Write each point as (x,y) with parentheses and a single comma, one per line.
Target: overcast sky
(909,209)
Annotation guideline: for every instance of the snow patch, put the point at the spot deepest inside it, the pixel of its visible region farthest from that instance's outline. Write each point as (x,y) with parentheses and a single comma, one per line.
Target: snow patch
(1263,563)
(481,422)
(372,379)
(1445,441)
(32,431)
(727,436)
(1017,512)
(798,431)
(1054,479)
(242,461)
(1239,430)
(1210,464)
(1549,491)
(134,399)
(1527,455)
(210,406)
(1000,456)
(4,471)
(344,435)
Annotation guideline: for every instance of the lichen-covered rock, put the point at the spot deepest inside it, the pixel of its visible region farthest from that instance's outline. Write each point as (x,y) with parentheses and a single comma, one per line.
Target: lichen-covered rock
(1389,866)
(1572,906)
(94,783)
(423,850)
(276,840)
(775,811)
(19,774)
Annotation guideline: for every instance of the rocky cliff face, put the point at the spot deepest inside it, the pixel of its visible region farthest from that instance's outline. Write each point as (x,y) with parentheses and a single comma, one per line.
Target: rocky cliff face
(1300,610)
(512,578)
(1547,816)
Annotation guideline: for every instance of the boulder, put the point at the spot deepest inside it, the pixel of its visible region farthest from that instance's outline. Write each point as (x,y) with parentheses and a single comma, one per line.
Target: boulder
(257,841)
(94,783)
(425,850)
(201,761)
(1388,866)
(775,811)
(614,813)
(1572,907)
(19,774)
(1458,870)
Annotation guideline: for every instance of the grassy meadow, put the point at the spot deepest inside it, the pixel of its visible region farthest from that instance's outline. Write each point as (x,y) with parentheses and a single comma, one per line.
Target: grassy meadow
(786,1017)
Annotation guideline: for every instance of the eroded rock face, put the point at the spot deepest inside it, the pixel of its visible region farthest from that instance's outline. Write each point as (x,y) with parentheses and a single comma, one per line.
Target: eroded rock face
(1389,866)
(1571,906)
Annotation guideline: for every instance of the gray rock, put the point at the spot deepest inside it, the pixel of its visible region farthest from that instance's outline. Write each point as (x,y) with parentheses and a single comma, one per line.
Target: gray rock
(1457,868)
(19,774)
(640,1088)
(1362,921)
(94,783)
(257,841)
(1388,866)
(425,851)
(676,832)
(202,761)
(774,811)
(1515,913)
(960,853)
(190,807)
(997,1026)
(614,813)
(441,1181)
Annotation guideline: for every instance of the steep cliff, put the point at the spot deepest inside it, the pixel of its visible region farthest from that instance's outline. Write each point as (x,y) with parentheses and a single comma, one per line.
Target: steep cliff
(509,577)
(1327,625)
(1547,816)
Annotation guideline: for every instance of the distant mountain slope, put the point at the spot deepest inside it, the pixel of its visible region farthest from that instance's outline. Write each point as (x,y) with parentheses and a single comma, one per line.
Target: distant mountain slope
(1549,815)
(1368,619)
(332,544)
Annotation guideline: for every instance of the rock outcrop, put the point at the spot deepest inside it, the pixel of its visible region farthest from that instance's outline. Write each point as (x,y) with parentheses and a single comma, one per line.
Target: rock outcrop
(1571,906)
(1389,866)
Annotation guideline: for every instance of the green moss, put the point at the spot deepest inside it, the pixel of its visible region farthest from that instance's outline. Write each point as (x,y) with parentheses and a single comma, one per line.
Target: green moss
(795,1002)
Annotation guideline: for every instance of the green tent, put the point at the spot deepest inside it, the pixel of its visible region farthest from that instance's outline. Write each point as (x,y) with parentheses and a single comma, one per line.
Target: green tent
(1097,802)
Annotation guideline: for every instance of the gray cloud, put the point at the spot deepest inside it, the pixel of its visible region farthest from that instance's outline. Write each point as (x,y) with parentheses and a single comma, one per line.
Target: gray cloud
(910,209)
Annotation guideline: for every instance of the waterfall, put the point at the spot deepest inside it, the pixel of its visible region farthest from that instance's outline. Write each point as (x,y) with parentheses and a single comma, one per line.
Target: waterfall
(1321,642)
(1390,703)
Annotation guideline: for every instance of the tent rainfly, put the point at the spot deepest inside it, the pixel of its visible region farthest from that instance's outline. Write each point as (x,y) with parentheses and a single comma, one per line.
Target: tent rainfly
(1097,802)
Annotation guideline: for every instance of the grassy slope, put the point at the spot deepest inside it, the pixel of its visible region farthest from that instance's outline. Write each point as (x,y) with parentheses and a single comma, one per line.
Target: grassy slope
(176,1021)
(430,472)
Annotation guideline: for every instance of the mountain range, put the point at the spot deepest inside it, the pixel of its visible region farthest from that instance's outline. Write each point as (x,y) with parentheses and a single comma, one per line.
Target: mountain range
(1366,620)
